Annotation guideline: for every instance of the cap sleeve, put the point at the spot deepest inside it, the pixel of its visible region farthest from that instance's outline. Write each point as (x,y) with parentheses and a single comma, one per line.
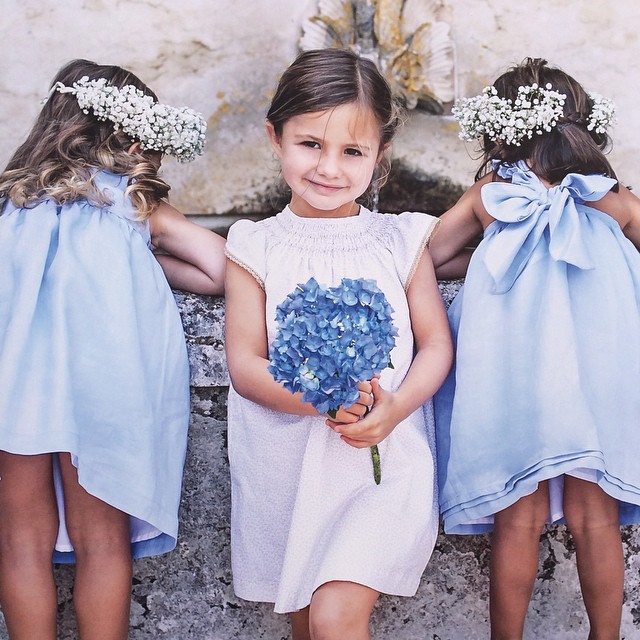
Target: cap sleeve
(413,230)
(246,247)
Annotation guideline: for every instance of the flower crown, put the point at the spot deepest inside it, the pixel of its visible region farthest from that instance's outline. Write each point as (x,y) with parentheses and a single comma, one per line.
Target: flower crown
(158,127)
(536,110)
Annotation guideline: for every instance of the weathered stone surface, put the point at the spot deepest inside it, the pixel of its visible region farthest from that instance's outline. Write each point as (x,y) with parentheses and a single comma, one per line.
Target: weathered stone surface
(225,60)
(188,593)
(203,321)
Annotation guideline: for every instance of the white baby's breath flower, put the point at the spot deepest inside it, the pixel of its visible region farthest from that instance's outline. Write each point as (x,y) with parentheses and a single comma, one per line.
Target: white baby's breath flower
(180,132)
(535,110)
(602,114)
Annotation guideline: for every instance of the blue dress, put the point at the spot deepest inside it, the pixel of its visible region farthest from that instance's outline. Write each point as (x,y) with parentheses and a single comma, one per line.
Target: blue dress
(93,359)
(547,376)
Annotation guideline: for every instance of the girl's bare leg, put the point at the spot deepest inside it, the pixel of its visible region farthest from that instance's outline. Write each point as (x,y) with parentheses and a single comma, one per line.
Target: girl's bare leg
(300,625)
(592,517)
(100,537)
(28,530)
(515,549)
(341,610)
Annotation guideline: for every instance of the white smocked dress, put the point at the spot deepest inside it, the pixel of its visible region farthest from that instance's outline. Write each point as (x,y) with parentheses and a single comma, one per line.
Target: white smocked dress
(305,507)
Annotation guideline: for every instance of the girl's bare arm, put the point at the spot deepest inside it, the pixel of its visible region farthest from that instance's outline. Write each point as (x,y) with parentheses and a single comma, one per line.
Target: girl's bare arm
(430,366)
(248,351)
(194,259)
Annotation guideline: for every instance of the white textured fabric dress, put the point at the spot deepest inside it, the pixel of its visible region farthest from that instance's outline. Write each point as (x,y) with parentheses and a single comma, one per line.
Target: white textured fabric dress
(305,507)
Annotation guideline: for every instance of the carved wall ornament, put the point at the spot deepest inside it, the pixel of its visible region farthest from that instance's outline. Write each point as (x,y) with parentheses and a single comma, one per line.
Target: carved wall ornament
(405,39)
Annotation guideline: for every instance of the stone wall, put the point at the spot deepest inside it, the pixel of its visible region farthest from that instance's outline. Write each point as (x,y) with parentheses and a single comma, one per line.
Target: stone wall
(188,594)
(224,58)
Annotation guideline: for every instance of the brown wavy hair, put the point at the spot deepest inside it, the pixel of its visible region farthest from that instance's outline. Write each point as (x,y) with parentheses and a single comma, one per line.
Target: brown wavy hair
(66,146)
(569,147)
(322,79)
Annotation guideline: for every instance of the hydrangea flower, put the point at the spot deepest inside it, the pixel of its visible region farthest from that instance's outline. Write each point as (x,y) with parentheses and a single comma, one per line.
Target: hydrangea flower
(180,132)
(330,339)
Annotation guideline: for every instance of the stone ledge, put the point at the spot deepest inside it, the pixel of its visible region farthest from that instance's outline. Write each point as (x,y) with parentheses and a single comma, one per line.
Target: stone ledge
(203,321)
(452,602)
(188,594)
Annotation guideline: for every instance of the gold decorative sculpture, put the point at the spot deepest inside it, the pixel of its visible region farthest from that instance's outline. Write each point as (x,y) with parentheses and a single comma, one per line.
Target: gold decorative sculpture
(403,37)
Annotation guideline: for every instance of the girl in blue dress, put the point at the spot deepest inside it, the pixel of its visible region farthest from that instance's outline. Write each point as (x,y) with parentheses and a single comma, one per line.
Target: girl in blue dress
(94,377)
(539,420)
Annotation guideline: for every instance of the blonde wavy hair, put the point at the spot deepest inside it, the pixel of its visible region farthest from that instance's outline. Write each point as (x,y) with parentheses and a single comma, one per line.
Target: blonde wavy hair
(66,147)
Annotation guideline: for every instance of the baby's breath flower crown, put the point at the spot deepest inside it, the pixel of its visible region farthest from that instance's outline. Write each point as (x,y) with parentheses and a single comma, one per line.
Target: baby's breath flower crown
(536,110)
(179,132)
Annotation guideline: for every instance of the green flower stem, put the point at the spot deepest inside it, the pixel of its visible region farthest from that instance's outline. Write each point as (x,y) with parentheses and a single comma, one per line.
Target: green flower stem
(375,457)
(375,454)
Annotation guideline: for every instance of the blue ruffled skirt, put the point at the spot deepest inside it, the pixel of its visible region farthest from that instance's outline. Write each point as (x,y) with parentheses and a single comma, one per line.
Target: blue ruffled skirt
(93,360)
(547,376)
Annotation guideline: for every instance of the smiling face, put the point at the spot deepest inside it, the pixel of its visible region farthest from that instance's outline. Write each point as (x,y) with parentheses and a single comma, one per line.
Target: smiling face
(328,159)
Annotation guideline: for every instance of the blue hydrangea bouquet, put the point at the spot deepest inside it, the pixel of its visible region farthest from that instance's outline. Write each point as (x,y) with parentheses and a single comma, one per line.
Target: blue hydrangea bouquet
(331,338)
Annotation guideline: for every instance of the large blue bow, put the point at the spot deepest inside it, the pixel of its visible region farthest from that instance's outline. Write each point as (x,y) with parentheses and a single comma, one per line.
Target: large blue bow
(528,208)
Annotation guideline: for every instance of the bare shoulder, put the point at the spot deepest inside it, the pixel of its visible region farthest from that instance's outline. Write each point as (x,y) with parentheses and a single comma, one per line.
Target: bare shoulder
(624,207)
(472,204)
(459,225)
(163,215)
(629,205)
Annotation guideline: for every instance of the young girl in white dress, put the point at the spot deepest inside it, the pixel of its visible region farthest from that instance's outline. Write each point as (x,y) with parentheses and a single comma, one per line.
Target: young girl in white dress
(94,376)
(540,420)
(311,530)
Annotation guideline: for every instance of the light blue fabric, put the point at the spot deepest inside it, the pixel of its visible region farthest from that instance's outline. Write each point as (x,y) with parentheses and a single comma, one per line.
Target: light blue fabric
(547,375)
(93,359)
